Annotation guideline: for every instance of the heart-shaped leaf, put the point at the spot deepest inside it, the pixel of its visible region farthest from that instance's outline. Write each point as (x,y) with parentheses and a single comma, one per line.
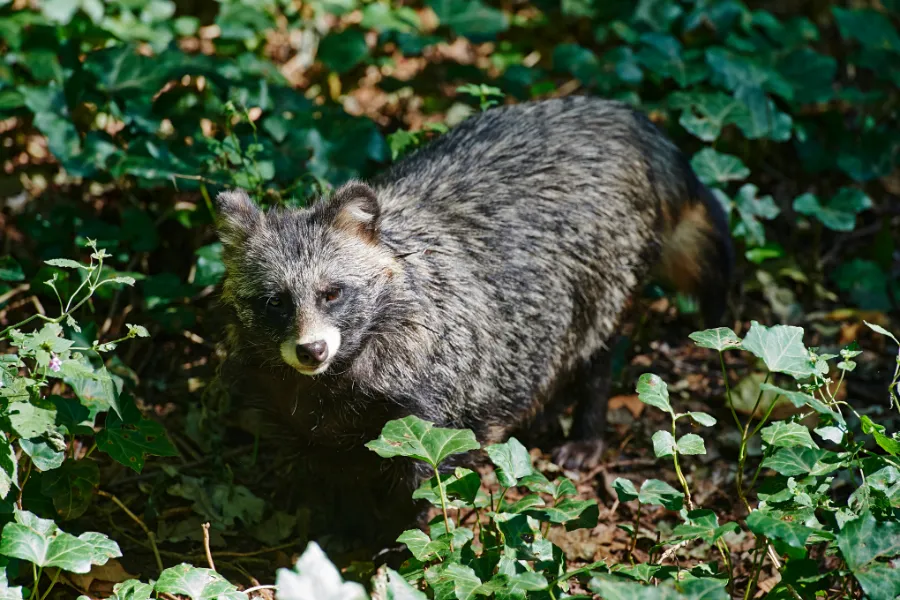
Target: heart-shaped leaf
(415,438)
(653,391)
(512,461)
(720,338)
(781,348)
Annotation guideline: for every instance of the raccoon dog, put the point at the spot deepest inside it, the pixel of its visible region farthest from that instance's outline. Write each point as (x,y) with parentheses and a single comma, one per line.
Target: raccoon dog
(471,284)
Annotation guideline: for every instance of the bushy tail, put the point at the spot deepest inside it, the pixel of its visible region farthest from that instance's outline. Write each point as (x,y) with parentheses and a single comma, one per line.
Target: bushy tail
(697,254)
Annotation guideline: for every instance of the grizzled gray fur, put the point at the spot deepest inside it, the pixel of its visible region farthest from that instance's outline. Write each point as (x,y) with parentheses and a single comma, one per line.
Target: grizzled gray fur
(472,284)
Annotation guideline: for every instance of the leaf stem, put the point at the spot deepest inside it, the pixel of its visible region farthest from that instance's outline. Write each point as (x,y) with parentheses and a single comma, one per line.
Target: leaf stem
(52,583)
(440,484)
(150,535)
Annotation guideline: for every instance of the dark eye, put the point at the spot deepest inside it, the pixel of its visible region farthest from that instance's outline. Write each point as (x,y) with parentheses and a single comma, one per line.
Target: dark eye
(332,294)
(274,304)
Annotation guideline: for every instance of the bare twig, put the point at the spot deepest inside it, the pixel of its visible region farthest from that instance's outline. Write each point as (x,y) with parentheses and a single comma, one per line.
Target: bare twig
(150,535)
(209,557)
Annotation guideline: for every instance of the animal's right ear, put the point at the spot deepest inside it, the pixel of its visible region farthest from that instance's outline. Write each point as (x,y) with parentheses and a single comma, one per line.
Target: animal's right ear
(237,216)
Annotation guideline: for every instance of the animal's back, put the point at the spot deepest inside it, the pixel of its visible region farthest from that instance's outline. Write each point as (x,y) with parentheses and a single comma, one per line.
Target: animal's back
(530,227)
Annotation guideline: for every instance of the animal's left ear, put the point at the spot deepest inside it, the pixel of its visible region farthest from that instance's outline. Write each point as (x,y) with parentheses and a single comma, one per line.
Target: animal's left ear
(354,208)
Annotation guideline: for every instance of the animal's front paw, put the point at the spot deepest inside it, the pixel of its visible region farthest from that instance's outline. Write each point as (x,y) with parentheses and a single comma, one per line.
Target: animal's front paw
(581,455)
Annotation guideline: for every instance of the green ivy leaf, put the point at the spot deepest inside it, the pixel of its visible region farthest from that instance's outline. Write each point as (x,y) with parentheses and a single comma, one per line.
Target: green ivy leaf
(864,543)
(72,487)
(30,421)
(704,115)
(454,581)
(716,168)
(868,27)
(781,348)
(423,548)
(343,50)
(197,584)
(654,491)
(41,542)
(793,533)
(799,399)
(839,214)
(130,439)
(787,435)
(575,514)
(415,438)
(625,490)
(691,443)
(751,208)
(653,391)
(512,461)
(9,467)
(798,460)
(720,338)
(663,444)
(132,590)
(888,444)
(47,452)
(703,524)
(663,55)
(470,18)
(461,488)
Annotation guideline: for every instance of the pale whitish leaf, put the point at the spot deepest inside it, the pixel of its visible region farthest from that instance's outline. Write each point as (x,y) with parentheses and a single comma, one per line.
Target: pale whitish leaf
(799,399)
(123,280)
(786,435)
(781,348)
(654,491)
(196,583)
(716,168)
(6,591)
(9,471)
(512,461)
(702,418)
(663,444)
(137,331)
(625,489)
(415,438)
(65,263)
(881,330)
(390,585)
(30,421)
(102,548)
(653,391)
(691,443)
(720,338)
(830,433)
(314,577)
(865,542)
(455,581)
(422,546)
(793,533)
(41,542)
(43,451)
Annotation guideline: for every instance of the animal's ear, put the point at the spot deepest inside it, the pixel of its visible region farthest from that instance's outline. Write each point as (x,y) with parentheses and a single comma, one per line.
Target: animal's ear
(354,208)
(237,216)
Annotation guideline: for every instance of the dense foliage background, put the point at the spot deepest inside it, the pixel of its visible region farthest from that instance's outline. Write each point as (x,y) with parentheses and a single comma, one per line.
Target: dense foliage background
(120,120)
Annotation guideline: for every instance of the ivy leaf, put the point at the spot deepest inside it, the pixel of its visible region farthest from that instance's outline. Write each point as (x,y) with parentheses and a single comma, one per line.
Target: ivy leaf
(800,399)
(839,214)
(130,439)
(720,338)
(132,590)
(787,435)
(461,488)
(72,487)
(575,514)
(702,418)
(653,391)
(888,444)
(798,460)
(9,467)
(654,491)
(423,548)
(864,542)
(663,444)
(781,348)
(691,443)
(470,18)
(388,584)
(343,50)
(46,452)
(868,27)
(716,168)
(703,524)
(29,420)
(663,55)
(793,533)
(314,577)
(704,115)
(415,438)
(8,592)
(41,542)
(751,208)
(512,461)
(625,490)
(455,581)
(197,584)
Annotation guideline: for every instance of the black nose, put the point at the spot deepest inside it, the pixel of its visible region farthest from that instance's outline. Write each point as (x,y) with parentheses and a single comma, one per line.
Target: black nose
(313,353)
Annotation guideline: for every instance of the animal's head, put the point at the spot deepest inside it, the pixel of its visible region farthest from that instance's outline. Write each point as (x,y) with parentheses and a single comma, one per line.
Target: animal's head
(307,285)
